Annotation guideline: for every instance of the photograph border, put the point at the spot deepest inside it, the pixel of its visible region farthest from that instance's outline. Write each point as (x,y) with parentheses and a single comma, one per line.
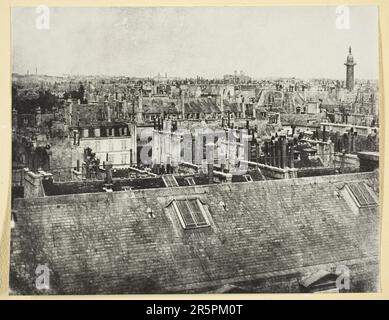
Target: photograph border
(5,142)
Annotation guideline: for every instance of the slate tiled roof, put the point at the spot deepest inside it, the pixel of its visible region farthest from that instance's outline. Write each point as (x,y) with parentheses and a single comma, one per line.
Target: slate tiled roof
(54,189)
(108,243)
(86,113)
(158,106)
(201,105)
(231,106)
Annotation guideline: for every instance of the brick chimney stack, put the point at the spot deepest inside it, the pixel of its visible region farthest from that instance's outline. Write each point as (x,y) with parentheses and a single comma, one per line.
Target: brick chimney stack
(38,117)
(108,172)
(183,104)
(222,102)
(140,106)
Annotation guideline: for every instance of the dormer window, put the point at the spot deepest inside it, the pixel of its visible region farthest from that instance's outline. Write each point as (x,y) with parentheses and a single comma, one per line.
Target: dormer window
(190,181)
(359,196)
(170,180)
(362,194)
(191,213)
(248,178)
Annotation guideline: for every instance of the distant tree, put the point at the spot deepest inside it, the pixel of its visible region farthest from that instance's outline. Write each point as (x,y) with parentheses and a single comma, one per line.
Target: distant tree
(81,92)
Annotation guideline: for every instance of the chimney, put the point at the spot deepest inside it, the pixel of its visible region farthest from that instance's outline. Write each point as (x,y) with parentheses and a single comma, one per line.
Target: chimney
(38,117)
(266,153)
(33,187)
(291,154)
(210,173)
(283,152)
(108,172)
(183,104)
(75,137)
(108,112)
(70,112)
(140,106)
(342,163)
(222,102)
(277,153)
(272,153)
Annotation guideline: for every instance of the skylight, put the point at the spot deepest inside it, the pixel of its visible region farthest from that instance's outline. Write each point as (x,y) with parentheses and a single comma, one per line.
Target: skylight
(170,180)
(190,181)
(191,213)
(248,178)
(361,194)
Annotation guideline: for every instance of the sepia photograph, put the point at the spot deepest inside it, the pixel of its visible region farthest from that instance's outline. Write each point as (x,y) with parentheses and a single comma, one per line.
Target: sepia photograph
(186,150)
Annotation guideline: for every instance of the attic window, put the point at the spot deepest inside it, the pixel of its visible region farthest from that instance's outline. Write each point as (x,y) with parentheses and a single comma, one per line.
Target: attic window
(169,180)
(13,219)
(190,181)
(361,194)
(191,213)
(248,178)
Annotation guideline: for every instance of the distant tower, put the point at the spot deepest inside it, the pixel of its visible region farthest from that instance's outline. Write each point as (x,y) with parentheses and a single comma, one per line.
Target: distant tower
(350,70)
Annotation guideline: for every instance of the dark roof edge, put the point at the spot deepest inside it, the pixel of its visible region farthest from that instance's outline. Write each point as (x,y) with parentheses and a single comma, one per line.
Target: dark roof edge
(227,186)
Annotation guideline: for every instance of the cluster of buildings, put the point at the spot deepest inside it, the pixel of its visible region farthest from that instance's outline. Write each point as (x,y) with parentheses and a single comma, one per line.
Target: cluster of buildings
(150,185)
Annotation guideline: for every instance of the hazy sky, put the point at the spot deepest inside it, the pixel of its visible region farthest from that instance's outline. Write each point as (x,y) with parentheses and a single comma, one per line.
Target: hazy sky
(263,42)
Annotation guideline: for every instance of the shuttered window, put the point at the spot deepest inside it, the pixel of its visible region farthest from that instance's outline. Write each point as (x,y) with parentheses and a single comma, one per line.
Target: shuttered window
(362,194)
(190,181)
(191,213)
(169,180)
(248,178)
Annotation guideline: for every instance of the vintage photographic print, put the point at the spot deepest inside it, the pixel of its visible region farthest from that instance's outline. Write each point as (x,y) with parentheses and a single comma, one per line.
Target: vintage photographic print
(162,150)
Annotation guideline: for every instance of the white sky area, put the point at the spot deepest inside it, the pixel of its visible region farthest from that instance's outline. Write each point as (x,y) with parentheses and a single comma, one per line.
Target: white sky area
(301,42)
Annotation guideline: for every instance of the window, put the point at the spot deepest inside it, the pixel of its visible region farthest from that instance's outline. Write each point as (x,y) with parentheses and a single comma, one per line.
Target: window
(124,145)
(248,178)
(97,146)
(361,194)
(111,158)
(124,158)
(110,145)
(190,213)
(169,180)
(190,181)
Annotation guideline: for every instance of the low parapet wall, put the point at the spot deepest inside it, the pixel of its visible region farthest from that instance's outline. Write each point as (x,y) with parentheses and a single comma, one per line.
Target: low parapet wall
(273,172)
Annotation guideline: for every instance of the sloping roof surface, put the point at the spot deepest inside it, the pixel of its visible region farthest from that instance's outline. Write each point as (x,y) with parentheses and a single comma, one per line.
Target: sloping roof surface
(108,243)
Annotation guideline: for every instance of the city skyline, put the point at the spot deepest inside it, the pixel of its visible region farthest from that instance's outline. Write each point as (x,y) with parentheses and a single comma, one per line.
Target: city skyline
(183,42)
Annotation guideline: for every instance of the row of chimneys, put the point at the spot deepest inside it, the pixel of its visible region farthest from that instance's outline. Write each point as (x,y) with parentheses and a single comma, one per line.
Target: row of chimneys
(159,124)
(279,152)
